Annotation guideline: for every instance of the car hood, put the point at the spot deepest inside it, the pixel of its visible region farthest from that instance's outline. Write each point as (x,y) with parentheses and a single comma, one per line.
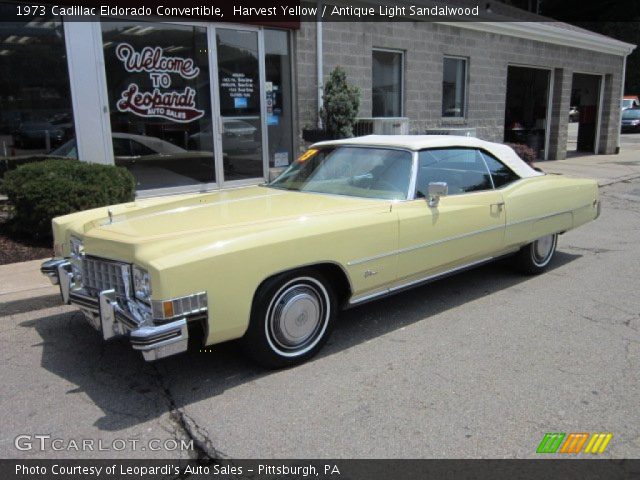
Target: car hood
(217,215)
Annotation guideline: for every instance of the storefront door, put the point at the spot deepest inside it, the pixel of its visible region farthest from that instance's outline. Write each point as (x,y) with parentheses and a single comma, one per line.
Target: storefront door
(239,101)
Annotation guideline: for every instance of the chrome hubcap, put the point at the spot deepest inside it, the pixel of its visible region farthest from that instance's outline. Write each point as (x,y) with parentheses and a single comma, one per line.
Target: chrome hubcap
(296,317)
(542,248)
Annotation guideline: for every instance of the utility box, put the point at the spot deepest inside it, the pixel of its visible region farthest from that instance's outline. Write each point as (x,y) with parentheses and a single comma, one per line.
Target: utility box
(382,126)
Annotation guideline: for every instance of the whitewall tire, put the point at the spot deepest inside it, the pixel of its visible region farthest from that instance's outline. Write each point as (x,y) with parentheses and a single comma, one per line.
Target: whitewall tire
(291,318)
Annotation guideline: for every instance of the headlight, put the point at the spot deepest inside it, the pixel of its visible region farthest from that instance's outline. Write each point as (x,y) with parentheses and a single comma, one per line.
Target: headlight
(77,251)
(141,284)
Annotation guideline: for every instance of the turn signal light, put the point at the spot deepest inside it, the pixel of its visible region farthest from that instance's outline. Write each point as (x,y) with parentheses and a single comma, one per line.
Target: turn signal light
(167,309)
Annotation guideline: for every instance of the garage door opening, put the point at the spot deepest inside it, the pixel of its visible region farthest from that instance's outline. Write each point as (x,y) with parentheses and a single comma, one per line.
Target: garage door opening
(527,108)
(584,114)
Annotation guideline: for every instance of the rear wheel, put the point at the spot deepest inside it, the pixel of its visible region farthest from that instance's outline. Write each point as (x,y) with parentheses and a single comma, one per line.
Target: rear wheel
(535,257)
(291,319)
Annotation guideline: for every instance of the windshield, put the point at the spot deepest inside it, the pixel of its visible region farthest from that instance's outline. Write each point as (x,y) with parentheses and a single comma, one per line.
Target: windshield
(631,114)
(353,171)
(627,102)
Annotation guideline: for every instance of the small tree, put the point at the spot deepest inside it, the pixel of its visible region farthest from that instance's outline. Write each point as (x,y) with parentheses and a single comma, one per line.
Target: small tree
(341,104)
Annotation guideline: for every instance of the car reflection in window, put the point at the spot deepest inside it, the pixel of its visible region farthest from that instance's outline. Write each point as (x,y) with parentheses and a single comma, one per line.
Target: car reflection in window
(155,163)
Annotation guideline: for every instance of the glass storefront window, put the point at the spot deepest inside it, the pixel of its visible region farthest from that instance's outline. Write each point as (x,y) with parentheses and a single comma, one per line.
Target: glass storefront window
(35,100)
(278,97)
(160,103)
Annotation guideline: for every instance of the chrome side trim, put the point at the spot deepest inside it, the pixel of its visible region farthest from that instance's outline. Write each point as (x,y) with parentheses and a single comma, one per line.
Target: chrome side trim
(458,237)
(542,217)
(427,279)
(424,245)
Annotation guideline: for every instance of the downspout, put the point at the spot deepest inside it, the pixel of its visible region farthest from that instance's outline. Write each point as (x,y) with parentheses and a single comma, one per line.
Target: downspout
(319,66)
(624,74)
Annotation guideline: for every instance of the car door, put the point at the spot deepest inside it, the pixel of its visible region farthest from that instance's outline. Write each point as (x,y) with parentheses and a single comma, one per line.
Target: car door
(467,225)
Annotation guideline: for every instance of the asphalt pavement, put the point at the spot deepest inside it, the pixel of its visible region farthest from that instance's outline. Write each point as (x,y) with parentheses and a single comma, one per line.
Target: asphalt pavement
(481,364)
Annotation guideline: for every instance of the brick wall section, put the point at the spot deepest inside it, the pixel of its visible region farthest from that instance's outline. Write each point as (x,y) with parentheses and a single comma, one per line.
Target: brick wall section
(349,45)
(560,102)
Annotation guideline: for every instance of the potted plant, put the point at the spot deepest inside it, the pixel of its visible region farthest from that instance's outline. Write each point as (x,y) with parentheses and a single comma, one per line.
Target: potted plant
(341,103)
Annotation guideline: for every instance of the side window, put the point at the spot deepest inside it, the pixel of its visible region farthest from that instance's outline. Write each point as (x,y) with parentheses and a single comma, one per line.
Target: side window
(138,149)
(461,168)
(501,174)
(121,147)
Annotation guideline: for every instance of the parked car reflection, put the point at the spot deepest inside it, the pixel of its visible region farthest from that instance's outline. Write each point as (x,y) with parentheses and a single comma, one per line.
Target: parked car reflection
(38,135)
(238,137)
(155,163)
(630,101)
(631,120)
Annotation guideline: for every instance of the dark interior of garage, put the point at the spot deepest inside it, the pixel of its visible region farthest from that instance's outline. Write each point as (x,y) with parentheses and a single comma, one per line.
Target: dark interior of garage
(526,107)
(585,90)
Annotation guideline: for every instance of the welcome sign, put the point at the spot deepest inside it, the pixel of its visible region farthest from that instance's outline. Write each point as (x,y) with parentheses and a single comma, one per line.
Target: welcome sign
(174,105)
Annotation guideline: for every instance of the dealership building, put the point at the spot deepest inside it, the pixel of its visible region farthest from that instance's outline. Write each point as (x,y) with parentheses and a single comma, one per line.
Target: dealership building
(194,105)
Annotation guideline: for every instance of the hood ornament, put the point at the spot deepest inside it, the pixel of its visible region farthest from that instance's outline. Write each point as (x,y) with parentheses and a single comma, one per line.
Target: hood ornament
(110,213)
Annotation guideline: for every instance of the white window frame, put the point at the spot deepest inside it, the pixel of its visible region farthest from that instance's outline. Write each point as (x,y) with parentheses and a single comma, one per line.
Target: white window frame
(465,96)
(402,64)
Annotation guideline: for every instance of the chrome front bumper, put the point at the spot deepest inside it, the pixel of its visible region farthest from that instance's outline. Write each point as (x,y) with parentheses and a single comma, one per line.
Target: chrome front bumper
(106,314)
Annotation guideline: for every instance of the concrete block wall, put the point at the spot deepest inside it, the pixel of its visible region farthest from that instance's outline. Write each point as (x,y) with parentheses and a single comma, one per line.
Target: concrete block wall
(349,44)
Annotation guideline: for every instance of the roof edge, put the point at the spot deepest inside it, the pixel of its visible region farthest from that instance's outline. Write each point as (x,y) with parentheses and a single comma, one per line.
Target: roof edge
(550,34)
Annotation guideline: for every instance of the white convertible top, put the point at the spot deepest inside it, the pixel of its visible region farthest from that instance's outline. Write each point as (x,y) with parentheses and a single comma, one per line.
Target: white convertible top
(420,142)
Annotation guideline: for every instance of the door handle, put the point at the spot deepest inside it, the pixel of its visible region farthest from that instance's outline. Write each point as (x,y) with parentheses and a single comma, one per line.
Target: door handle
(500,206)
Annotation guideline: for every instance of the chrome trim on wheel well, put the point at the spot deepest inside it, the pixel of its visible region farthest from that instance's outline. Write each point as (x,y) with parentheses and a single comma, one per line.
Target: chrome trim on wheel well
(336,274)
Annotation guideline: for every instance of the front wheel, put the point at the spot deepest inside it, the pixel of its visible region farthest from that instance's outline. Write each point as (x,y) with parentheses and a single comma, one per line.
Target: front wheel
(291,319)
(535,257)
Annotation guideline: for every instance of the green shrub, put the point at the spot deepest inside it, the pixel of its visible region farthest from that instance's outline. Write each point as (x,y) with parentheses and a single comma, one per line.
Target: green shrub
(41,191)
(341,102)
(11,163)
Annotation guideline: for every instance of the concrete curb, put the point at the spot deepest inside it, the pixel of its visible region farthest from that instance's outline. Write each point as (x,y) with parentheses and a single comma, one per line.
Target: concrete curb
(23,280)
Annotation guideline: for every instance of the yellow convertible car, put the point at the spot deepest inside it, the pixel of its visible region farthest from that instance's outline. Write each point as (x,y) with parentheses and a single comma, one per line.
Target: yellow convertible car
(350,221)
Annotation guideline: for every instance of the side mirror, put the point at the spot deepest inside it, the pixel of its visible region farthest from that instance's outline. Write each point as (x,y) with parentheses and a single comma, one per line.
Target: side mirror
(435,191)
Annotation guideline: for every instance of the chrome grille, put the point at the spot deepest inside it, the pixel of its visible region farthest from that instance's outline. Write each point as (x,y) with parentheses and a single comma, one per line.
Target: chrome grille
(99,275)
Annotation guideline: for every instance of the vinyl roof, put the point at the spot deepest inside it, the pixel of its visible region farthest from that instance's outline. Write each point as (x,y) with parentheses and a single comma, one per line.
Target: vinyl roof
(421,142)
(411,142)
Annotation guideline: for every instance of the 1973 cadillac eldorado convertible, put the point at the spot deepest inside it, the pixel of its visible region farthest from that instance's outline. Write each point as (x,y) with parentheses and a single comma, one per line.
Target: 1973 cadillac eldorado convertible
(350,221)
